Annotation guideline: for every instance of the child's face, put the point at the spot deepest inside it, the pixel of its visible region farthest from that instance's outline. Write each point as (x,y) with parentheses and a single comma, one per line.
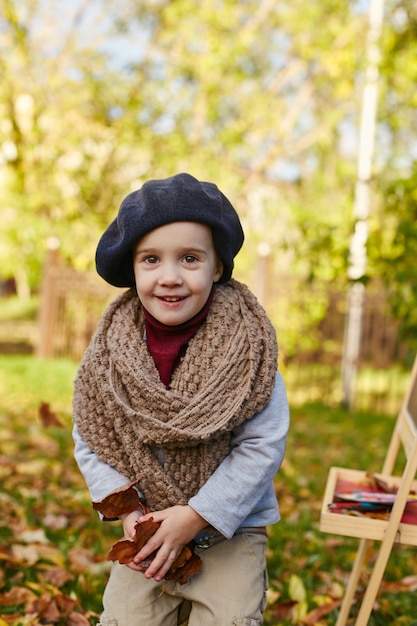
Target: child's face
(175,267)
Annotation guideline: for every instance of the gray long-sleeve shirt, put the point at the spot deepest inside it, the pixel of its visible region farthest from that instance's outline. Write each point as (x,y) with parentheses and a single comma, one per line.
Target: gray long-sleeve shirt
(241,491)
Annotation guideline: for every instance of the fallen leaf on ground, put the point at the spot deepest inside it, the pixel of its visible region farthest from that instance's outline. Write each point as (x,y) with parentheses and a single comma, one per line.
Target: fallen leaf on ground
(408,583)
(283,610)
(48,417)
(77,619)
(16,596)
(314,616)
(57,576)
(81,559)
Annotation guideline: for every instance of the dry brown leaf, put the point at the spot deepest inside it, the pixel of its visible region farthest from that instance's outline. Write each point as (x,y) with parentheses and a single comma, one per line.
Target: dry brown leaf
(183,557)
(182,574)
(65,604)
(125,549)
(27,554)
(16,596)
(187,563)
(120,501)
(81,559)
(48,417)
(283,610)
(46,609)
(409,583)
(53,609)
(77,619)
(315,616)
(126,500)
(144,531)
(57,576)
(55,522)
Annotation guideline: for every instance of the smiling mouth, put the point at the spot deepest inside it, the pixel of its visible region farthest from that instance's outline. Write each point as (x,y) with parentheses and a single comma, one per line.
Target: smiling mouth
(171,298)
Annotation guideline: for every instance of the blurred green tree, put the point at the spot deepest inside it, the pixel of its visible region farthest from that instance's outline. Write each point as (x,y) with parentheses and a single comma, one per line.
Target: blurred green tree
(250,94)
(393,239)
(261,96)
(58,149)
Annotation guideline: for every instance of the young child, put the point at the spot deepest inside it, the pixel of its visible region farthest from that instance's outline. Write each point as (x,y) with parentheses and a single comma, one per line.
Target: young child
(179,388)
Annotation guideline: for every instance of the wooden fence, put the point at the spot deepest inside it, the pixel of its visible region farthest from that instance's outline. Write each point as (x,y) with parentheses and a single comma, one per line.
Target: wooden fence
(72,303)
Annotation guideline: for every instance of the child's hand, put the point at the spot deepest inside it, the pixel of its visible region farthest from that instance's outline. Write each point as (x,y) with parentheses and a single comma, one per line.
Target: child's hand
(129,522)
(179,525)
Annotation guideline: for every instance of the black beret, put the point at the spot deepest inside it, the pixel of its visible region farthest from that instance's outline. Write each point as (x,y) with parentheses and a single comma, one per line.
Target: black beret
(181,198)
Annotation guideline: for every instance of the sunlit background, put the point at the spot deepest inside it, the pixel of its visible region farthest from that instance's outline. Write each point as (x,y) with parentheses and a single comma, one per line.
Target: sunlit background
(303,113)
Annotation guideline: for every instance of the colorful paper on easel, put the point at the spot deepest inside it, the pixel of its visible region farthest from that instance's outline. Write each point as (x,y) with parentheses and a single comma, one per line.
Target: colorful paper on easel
(346,484)
(366,507)
(376,497)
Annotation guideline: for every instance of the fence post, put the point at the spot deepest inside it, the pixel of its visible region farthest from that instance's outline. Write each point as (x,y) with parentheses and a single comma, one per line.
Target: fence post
(48,306)
(262,275)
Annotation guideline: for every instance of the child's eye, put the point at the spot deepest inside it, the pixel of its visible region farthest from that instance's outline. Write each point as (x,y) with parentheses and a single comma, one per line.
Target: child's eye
(151,259)
(190,258)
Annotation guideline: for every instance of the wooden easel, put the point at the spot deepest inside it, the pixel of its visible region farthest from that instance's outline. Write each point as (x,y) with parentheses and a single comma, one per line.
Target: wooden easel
(368,529)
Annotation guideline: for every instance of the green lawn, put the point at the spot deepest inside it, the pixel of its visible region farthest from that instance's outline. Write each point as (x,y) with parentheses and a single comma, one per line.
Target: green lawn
(52,546)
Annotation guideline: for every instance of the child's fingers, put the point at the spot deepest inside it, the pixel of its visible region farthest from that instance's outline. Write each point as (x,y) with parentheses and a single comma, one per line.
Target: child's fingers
(141,567)
(160,564)
(157,516)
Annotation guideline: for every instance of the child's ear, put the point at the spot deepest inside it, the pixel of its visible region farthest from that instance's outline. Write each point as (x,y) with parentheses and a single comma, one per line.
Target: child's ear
(219,270)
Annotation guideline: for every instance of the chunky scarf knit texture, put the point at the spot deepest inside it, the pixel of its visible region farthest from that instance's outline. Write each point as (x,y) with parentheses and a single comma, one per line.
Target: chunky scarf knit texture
(173,439)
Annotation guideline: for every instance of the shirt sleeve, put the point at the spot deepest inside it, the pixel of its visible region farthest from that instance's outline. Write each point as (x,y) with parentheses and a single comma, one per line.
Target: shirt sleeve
(240,482)
(100,477)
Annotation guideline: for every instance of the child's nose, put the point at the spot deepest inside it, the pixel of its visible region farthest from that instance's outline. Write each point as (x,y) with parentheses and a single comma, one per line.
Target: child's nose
(170,275)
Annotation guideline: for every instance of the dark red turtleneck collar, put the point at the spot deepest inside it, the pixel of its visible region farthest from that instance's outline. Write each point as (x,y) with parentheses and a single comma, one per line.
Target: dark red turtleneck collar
(167,344)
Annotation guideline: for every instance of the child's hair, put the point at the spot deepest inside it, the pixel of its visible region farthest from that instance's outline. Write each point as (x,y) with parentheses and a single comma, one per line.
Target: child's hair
(181,198)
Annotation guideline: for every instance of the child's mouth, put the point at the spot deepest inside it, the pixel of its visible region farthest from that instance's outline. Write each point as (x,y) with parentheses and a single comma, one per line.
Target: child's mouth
(171,299)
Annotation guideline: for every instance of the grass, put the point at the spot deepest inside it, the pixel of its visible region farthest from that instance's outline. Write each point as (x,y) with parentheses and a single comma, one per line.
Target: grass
(52,544)
(18,324)
(320,437)
(13,308)
(53,547)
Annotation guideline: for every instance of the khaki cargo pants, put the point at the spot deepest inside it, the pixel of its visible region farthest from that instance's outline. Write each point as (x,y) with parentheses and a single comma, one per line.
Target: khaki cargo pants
(230,590)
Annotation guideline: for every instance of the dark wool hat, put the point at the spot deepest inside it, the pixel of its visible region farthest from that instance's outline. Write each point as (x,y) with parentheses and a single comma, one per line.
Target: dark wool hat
(181,198)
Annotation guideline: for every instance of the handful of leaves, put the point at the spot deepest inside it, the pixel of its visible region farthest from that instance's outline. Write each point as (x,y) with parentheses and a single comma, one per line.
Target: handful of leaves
(126,500)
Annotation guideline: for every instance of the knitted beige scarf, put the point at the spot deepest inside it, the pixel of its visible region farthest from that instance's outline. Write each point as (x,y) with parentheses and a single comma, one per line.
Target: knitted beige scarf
(173,440)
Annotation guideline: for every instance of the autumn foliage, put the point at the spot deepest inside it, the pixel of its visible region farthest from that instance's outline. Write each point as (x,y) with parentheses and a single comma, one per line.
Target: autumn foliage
(53,547)
(50,560)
